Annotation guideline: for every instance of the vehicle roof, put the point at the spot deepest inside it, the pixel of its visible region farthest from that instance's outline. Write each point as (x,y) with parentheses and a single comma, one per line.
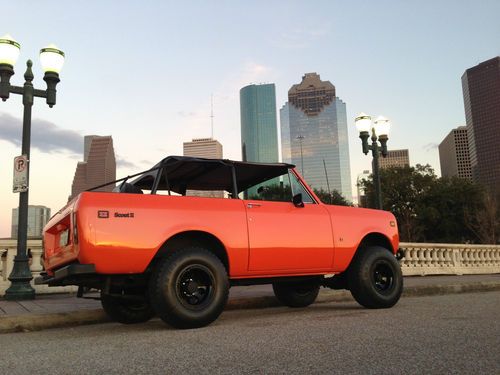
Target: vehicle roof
(209,174)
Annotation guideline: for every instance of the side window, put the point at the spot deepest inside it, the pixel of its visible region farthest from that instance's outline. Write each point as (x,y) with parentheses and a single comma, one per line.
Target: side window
(276,189)
(298,188)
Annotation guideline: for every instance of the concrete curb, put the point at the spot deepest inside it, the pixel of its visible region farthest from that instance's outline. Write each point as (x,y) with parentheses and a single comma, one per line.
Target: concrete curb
(35,322)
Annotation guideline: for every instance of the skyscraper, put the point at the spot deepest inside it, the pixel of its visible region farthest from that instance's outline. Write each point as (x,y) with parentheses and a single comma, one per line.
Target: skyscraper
(38,216)
(395,158)
(259,131)
(204,148)
(314,134)
(481,90)
(98,166)
(454,154)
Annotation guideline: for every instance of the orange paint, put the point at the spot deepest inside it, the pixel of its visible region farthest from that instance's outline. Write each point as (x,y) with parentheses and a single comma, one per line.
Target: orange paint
(121,233)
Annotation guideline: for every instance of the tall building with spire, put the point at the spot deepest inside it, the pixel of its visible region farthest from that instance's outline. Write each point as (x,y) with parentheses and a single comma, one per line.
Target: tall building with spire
(481,91)
(314,134)
(98,165)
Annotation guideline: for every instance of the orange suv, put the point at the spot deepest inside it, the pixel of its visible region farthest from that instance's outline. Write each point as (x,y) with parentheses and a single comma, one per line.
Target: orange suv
(172,240)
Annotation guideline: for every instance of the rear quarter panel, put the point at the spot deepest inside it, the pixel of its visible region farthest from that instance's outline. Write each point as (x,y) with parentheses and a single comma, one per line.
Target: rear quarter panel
(350,225)
(138,225)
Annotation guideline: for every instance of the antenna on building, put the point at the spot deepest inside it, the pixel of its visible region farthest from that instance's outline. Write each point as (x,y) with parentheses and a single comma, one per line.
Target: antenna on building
(212,115)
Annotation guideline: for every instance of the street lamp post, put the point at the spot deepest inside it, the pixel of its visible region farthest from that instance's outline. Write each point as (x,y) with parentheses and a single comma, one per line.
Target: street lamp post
(379,132)
(301,139)
(51,59)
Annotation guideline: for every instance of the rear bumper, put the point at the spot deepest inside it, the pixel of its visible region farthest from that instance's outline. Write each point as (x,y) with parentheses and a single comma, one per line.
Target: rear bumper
(66,275)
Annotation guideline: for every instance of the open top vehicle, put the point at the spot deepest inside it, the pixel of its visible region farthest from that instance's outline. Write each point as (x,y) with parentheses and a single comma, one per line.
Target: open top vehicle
(156,246)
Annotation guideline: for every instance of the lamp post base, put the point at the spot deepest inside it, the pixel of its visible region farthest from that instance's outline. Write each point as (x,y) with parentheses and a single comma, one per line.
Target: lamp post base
(20,288)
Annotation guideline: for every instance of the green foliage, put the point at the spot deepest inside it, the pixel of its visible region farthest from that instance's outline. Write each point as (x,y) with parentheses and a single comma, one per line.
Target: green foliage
(432,209)
(334,198)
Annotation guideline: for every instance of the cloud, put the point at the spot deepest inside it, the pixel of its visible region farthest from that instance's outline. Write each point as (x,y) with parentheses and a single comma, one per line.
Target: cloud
(123,163)
(45,136)
(430,146)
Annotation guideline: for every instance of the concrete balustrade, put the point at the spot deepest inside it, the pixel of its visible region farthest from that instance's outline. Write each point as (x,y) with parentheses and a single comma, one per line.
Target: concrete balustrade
(8,249)
(420,259)
(449,259)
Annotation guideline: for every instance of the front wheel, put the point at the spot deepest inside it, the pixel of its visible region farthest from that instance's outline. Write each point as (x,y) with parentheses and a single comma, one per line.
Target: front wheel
(296,294)
(189,288)
(375,278)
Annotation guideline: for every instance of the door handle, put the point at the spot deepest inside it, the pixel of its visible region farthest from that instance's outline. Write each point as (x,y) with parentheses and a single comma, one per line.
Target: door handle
(252,205)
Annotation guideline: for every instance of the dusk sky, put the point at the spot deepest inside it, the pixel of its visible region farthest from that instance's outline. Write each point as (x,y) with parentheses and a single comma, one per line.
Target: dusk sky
(144,71)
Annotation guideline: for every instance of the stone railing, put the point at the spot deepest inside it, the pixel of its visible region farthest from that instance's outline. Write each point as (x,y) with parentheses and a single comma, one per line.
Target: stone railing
(449,259)
(8,249)
(420,259)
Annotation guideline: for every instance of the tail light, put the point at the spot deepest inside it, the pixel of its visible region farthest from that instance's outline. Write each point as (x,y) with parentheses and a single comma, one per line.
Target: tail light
(75,229)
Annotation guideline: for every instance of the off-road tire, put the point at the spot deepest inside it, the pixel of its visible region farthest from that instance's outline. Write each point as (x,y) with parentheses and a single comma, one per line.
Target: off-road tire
(126,311)
(189,288)
(296,294)
(375,278)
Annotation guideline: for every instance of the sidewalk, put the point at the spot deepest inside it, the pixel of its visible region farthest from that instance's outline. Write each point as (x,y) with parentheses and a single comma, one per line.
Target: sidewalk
(58,310)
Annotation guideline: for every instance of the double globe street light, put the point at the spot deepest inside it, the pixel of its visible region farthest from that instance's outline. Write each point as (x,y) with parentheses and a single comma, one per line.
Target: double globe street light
(52,60)
(379,130)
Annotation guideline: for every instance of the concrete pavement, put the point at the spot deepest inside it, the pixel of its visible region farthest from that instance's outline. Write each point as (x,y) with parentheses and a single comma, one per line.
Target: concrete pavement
(48,311)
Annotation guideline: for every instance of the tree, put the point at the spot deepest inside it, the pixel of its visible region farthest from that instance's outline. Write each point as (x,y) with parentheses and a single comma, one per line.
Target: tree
(402,192)
(444,208)
(485,221)
(333,198)
(432,209)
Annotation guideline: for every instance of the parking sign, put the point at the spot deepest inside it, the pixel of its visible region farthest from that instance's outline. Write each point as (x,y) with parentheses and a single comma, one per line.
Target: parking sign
(20,174)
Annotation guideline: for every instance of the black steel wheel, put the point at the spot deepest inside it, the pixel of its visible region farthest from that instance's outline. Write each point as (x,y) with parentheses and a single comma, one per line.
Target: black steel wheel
(296,294)
(375,278)
(189,288)
(127,310)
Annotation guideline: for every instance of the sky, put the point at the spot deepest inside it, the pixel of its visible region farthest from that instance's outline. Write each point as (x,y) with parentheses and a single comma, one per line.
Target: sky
(144,72)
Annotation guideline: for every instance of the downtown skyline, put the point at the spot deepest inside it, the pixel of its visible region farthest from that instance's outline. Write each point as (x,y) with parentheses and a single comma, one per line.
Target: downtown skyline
(411,77)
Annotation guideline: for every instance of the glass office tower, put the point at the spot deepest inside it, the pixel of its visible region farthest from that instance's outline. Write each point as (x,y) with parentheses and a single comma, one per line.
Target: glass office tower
(259,130)
(314,135)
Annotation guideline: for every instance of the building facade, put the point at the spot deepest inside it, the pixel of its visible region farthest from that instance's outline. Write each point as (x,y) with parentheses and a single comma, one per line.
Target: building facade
(38,216)
(454,154)
(259,130)
(204,148)
(98,166)
(314,135)
(481,91)
(395,158)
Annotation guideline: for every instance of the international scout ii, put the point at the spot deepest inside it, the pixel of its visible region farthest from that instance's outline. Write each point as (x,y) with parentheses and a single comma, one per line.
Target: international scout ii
(156,245)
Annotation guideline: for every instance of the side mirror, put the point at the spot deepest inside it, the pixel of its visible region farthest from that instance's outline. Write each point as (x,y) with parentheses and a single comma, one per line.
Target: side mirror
(297,200)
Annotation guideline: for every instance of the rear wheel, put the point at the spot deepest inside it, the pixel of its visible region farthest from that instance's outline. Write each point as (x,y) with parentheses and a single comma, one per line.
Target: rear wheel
(375,278)
(126,310)
(189,288)
(296,294)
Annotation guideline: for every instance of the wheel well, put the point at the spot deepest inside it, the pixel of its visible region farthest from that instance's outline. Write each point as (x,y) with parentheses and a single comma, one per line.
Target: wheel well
(194,238)
(376,239)
(371,239)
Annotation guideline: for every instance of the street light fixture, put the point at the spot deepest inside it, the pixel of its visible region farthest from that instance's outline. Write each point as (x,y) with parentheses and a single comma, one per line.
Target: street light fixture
(52,60)
(379,132)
